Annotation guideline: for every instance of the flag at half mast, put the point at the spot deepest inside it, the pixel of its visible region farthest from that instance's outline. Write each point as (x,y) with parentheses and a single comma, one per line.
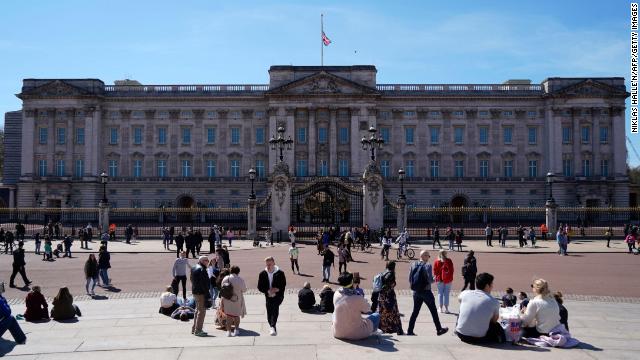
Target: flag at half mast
(325,40)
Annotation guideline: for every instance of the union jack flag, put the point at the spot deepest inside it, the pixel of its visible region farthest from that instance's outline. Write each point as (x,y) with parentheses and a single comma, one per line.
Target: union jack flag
(325,40)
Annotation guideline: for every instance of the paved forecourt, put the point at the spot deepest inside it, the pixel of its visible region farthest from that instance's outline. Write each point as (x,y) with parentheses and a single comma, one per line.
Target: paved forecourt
(132,329)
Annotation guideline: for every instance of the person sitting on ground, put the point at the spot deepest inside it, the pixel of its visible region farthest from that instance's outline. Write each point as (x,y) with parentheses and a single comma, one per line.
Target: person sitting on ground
(168,302)
(509,300)
(326,299)
(542,314)
(348,322)
(524,300)
(356,284)
(306,298)
(8,321)
(63,306)
(59,249)
(564,314)
(183,313)
(37,308)
(479,312)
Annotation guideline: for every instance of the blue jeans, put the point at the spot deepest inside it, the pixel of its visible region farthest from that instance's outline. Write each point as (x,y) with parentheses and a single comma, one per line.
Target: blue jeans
(375,319)
(326,272)
(104,276)
(443,293)
(213,291)
(10,323)
(91,280)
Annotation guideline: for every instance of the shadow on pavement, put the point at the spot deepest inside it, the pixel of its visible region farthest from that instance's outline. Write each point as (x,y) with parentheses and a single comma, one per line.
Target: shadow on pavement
(6,346)
(379,342)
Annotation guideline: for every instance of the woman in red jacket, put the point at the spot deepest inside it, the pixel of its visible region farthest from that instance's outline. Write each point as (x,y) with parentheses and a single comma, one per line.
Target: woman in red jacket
(443,273)
(37,308)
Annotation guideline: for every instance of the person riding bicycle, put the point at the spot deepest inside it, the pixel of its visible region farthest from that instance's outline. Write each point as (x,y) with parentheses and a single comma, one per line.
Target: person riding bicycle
(386,245)
(402,242)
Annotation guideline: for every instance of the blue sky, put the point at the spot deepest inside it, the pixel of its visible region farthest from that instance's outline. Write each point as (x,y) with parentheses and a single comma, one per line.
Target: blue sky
(209,42)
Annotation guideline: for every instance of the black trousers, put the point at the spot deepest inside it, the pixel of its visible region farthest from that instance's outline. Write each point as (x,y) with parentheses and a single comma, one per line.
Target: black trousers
(374,300)
(179,249)
(436,240)
(426,297)
(470,281)
(273,309)
(295,262)
(182,279)
(18,269)
(341,265)
(495,334)
(489,238)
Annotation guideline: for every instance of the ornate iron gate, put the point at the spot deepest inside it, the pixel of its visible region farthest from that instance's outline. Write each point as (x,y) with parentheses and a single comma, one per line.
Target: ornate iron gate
(325,203)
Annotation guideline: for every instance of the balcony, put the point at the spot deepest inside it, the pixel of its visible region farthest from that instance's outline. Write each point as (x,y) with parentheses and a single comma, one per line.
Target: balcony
(461,89)
(184,90)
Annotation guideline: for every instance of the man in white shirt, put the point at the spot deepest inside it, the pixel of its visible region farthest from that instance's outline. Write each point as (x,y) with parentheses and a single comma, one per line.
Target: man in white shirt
(479,311)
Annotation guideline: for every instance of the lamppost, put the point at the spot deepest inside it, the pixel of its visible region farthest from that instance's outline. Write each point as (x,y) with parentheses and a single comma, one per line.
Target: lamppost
(550,177)
(252,177)
(401,177)
(280,143)
(372,143)
(104,179)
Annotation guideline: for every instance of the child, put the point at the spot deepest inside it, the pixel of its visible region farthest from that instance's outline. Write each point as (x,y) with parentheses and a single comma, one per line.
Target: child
(356,284)
(564,314)
(58,250)
(47,250)
(509,299)
(524,300)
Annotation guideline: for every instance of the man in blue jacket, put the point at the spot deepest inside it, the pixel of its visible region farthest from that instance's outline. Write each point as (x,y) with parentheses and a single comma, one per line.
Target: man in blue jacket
(8,322)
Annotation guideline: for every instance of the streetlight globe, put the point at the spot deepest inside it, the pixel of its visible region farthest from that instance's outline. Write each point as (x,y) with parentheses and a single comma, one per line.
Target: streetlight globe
(104,177)
(252,174)
(550,177)
(401,174)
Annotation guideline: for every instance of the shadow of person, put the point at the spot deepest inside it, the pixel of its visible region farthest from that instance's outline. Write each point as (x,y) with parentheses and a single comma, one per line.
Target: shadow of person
(99,297)
(245,332)
(6,346)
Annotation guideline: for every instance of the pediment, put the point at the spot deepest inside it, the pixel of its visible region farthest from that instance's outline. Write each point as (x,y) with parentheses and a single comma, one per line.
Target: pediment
(483,154)
(323,83)
(589,88)
(508,154)
(55,88)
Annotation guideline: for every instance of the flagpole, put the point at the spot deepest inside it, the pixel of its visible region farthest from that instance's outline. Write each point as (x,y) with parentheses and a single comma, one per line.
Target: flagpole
(321,42)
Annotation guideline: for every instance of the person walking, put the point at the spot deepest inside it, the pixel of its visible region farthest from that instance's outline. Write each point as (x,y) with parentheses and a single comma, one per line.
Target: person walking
(128,233)
(38,242)
(387,240)
(443,272)
(469,271)
(503,236)
(104,264)
(91,274)
(294,252)
(608,235)
(179,272)
(20,231)
(343,258)
(234,306)
(212,240)
(451,236)
(200,289)
(328,260)
(420,280)
(630,240)
(67,241)
(18,266)
(532,236)
(272,282)
(230,236)
(488,232)
(179,243)
(190,244)
(165,238)
(197,235)
(8,242)
(561,239)
(436,237)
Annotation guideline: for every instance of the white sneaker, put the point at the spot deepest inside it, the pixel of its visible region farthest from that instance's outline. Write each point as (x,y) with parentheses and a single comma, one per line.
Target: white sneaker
(236,332)
(273,332)
(229,333)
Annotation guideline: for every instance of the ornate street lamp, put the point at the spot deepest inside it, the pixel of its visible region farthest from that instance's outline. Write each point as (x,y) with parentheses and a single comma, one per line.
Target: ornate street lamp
(104,178)
(372,143)
(280,143)
(550,177)
(401,177)
(252,177)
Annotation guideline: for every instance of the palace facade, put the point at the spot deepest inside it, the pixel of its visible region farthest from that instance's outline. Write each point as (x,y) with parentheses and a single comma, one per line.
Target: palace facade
(193,145)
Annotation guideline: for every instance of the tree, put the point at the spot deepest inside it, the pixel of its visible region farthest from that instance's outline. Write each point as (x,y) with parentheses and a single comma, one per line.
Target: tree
(634,175)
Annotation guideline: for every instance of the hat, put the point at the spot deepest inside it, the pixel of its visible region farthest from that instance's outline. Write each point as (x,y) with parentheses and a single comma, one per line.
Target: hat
(202,258)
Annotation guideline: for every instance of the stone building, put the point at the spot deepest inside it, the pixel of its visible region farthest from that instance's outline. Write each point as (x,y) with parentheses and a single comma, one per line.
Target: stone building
(190,145)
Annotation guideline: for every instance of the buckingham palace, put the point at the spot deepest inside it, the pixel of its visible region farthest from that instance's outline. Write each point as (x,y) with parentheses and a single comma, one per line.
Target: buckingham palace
(193,145)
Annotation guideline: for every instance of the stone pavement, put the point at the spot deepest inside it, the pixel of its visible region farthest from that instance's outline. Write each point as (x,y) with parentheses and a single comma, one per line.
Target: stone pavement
(132,329)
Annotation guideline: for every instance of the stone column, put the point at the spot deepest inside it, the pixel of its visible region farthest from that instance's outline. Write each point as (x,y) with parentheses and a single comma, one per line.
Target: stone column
(280,200)
(618,142)
(372,197)
(312,140)
(30,137)
(12,197)
(333,144)
(551,216)
(251,218)
(402,214)
(103,216)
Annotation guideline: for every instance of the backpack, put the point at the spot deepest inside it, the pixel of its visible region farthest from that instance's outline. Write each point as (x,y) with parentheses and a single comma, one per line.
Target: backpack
(226,291)
(377,281)
(418,277)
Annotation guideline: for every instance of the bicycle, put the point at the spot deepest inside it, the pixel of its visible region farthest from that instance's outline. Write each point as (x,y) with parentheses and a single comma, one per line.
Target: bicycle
(406,251)
(362,246)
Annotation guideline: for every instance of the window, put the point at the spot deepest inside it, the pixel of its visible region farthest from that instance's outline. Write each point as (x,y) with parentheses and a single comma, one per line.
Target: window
(235,168)
(484,135)
(409,113)
(567,167)
(161,166)
(385,134)
(435,113)
(211,135)
(507,132)
(532,114)
(435,191)
(385,114)
(113,136)
(113,168)
(302,135)
(459,168)
(137,168)
(259,114)
(408,134)
(343,168)
(79,170)
(80,136)
(434,168)
(458,113)
(42,167)
(186,136)
(322,135)
(260,173)
(43,135)
(533,135)
(566,135)
(301,168)
(484,168)
(585,134)
(235,135)
(458,135)
(508,168)
(59,167)
(604,135)
(323,168)
(211,114)
(409,168)
(61,136)
(186,168)
(604,167)
(483,113)
(259,136)
(507,113)
(586,167)
(137,135)
(434,131)
(137,114)
(344,135)
(385,168)
(211,168)
(162,136)
(533,168)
